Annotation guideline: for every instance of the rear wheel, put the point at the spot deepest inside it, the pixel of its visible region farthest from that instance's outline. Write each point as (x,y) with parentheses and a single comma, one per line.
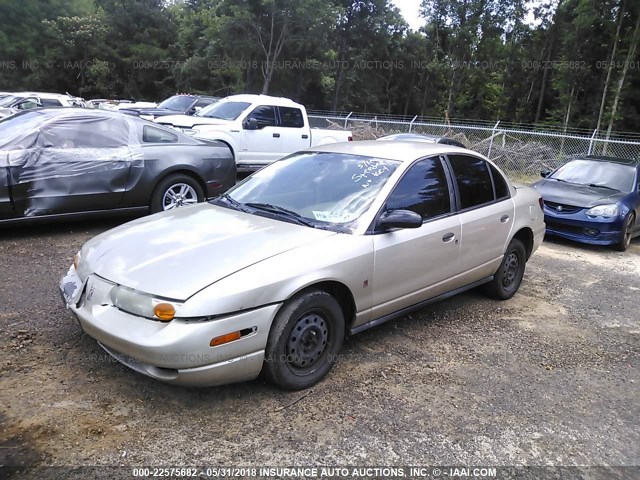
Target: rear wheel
(176,191)
(508,278)
(625,236)
(304,341)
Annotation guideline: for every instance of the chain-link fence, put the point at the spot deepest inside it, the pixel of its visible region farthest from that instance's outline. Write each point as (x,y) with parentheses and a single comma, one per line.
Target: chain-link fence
(521,152)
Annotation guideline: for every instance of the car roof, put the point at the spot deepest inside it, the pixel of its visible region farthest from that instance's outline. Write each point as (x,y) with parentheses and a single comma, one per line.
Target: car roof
(405,151)
(44,95)
(421,137)
(277,101)
(602,158)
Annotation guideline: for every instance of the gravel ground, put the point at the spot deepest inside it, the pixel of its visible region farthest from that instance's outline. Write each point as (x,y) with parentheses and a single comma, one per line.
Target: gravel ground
(550,377)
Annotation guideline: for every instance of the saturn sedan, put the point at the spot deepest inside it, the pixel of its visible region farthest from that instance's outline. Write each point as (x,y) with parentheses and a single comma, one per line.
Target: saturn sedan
(272,276)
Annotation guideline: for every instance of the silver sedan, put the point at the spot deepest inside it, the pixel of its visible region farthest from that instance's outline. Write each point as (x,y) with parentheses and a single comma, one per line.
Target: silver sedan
(322,244)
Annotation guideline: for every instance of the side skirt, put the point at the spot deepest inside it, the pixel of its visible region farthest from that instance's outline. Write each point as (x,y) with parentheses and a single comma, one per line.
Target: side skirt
(401,313)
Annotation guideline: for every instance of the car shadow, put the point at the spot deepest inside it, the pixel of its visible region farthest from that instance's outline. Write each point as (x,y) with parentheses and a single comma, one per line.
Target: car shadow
(142,390)
(596,249)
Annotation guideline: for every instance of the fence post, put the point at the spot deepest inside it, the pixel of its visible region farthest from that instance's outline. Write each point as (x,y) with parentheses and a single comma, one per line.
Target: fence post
(411,124)
(346,120)
(591,141)
(493,132)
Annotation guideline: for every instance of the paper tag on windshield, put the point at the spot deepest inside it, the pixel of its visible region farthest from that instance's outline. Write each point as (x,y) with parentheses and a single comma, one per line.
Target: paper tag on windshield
(326,216)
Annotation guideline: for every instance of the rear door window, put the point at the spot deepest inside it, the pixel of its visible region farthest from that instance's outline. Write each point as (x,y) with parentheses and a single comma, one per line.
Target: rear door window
(473,179)
(291,117)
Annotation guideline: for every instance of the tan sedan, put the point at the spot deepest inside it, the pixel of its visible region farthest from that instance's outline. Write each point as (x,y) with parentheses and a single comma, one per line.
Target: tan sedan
(322,244)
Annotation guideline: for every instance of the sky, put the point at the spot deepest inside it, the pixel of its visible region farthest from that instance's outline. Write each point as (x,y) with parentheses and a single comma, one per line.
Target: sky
(410,12)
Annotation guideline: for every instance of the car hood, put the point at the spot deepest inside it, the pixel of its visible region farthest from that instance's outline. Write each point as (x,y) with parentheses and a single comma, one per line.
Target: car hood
(178,253)
(187,121)
(576,195)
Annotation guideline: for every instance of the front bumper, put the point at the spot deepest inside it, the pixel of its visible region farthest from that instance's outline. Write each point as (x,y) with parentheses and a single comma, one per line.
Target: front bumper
(581,228)
(176,352)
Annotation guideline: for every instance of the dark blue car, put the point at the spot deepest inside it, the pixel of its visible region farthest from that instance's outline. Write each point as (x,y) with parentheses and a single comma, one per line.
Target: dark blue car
(593,200)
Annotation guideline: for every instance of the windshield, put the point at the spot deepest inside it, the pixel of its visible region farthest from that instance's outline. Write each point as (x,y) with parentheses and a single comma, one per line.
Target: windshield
(178,103)
(8,100)
(324,188)
(224,110)
(589,172)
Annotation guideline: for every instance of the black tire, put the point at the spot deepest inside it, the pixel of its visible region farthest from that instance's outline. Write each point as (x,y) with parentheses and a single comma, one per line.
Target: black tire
(170,182)
(508,277)
(625,236)
(296,362)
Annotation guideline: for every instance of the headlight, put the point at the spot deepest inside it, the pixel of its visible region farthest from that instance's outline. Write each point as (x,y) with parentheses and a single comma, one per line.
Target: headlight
(605,211)
(142,305)
(80,265)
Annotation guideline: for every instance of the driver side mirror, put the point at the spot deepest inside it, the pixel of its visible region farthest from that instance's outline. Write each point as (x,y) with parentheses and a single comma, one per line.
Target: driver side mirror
(400,219)
(250,124)
(544,173)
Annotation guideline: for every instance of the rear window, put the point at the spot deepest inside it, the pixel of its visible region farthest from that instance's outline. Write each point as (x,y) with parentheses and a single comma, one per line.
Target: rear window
(50,102)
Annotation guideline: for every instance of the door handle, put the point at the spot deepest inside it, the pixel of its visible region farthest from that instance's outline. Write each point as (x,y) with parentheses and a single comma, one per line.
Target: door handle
(504,218)
(447,237)
(305,136)
(276,135)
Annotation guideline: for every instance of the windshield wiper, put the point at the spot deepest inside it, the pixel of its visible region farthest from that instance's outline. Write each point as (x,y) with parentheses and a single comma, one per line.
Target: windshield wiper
(296,217)
(602,186)
(232,202)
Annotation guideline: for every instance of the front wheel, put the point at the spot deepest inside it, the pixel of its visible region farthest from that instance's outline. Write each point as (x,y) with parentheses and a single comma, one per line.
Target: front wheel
(176,191)
(625,236)
(304,341)
(508,278)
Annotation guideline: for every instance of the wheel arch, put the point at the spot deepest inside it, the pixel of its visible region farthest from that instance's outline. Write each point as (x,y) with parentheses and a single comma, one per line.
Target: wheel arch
(340,292)
(179,170)
(525,235)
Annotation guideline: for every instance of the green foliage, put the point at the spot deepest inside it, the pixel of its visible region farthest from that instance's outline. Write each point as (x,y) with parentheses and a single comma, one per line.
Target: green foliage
(480,59)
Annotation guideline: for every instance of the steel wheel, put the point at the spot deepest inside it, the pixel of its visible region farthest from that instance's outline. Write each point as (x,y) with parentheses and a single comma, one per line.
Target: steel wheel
(510,270)
(307,341)
(179,195)
(508,277)
(304,340)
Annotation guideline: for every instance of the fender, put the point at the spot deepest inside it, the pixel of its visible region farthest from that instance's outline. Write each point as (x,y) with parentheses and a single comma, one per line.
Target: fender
(219,135)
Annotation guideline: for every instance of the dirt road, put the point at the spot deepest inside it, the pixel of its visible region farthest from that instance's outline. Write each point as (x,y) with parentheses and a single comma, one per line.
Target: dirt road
(549,377)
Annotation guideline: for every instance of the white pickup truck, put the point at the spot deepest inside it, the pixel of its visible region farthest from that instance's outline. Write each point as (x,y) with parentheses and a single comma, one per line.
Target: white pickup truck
(258,129)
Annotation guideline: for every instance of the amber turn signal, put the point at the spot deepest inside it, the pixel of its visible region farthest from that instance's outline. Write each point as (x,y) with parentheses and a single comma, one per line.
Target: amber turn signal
(76,261)
(164,311)
(226,338)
